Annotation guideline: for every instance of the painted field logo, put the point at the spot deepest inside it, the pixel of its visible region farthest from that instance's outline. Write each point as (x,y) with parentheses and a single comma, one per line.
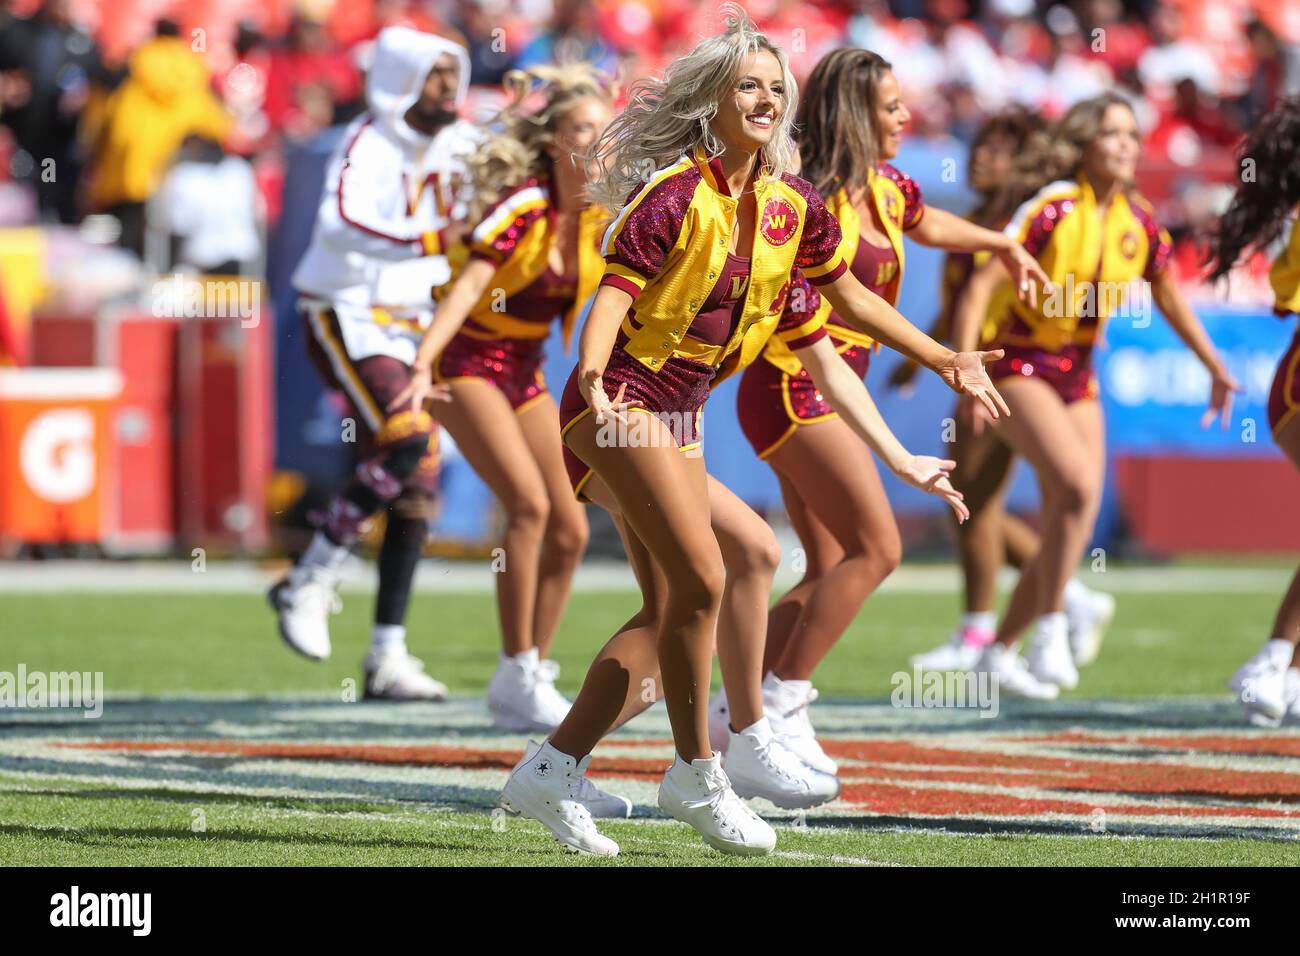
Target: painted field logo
(779,222)
(72,689)
(932,689)
(103,909)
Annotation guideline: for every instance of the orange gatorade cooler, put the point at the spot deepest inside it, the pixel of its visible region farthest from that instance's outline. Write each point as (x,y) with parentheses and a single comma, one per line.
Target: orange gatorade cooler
(56,454)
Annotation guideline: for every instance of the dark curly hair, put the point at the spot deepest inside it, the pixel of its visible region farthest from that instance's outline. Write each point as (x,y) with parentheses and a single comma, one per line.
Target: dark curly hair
(1260,207)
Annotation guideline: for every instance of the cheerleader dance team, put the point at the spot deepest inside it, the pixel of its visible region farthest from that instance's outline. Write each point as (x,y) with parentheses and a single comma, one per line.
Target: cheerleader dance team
(703,255)
(1261,212)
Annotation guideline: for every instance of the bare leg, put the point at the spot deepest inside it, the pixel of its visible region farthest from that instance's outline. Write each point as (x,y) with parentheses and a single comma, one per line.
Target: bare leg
(751,555)
(1065,445)
(488,433)
(564,538)
(983,467)
(662,496)
(821,552)
(1286,626)
(837,481)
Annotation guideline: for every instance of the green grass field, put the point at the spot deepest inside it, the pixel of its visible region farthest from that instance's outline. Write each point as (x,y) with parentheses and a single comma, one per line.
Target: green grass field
(137,809)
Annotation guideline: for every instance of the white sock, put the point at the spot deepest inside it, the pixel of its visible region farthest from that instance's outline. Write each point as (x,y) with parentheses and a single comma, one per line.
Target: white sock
(1075,591)
(526,658)
(386,638)
(759,728)
(323,553)
(1278,652)
(1053,624)
(980,620)
(772,682)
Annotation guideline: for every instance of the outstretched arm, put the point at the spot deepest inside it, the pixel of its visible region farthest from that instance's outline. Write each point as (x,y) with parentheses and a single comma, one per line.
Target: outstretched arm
(962,371)
(942,230)
(849,397)
(599,333)
(1188,327)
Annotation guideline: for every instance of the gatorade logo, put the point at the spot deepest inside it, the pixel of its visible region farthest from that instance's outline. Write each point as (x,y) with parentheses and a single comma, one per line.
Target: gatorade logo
(1128,244)
(57,455)
(780,221)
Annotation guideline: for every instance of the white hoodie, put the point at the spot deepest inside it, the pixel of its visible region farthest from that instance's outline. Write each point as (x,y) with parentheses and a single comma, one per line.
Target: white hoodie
(386,187)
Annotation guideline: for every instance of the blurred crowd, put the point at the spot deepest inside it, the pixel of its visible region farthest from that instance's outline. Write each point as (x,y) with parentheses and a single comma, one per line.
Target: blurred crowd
(107,104)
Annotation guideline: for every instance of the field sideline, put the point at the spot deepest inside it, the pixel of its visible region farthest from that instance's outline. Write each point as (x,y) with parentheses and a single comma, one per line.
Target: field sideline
(218,746)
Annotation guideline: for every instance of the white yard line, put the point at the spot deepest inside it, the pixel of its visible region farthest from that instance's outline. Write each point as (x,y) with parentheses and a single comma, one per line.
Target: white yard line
(437,576)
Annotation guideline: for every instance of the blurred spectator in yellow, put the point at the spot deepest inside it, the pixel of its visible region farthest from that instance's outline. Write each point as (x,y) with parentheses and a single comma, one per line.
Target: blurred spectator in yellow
(167,96)
(48,65)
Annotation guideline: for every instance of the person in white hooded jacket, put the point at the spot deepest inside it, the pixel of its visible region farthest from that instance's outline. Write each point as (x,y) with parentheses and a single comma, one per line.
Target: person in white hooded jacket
(392,196)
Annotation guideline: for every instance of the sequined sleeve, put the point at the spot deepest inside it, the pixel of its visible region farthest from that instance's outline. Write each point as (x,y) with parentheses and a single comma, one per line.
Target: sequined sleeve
(800,325)
(818,255)
(638,241)
(496,237)
(1160,245)
(913,201)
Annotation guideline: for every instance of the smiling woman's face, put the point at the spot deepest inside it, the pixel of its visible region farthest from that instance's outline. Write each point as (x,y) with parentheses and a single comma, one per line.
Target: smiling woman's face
(891,116)
(748,115)
(1113,153)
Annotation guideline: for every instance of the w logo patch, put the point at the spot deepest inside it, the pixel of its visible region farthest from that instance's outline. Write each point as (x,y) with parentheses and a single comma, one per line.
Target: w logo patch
(779,222)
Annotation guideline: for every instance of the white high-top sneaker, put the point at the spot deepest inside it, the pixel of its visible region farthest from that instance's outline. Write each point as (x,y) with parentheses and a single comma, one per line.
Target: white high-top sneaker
(1089,613)
(598,803)
(306,597)
(1260,683)
(555,703)
(517,695)
(1013,677)
(1049,656)
(545,788)
(719,721)
(785,704)
(303,601)
(393,674)
(1292,690)
(700,795)
(759,765)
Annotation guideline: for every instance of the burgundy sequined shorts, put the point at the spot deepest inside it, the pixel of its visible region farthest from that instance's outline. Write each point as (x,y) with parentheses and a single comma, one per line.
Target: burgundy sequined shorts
(675,395)
(513,365)
(771,404)
(1069,371)
(1284,396)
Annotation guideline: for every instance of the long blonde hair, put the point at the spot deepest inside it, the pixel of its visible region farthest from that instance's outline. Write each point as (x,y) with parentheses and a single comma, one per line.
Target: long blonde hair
(517,147)
(667,118)
(1057,152)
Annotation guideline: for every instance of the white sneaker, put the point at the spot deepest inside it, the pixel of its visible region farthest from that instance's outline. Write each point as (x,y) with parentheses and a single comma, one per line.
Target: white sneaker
(556,704)
(396,675)
(959,654)
(719,721)
(760,765)
(546,788)
(303,602)
(1292,690)
(517,695)
(598,803)
(785,704)
(1049,656)
(1089,614)
(1012,675)
(1261,683)
(700,795)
